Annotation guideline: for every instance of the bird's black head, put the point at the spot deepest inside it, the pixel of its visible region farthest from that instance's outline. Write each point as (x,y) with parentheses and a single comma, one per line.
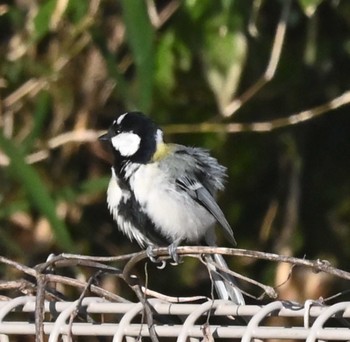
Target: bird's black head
(133,137)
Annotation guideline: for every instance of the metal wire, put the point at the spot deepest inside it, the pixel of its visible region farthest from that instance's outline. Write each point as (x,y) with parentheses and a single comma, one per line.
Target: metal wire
(179,321)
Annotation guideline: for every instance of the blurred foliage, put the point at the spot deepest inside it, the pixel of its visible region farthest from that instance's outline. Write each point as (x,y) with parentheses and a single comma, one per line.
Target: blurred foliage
(71,66)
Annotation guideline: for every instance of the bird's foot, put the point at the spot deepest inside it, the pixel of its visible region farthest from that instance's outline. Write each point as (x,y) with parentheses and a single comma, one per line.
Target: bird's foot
(173,254)
(153,257)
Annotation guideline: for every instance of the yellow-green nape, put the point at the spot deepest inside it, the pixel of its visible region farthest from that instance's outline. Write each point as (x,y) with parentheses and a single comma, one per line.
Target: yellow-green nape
(162,151)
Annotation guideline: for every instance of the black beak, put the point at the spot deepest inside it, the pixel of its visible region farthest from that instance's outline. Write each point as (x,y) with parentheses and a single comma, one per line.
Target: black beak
(104,137)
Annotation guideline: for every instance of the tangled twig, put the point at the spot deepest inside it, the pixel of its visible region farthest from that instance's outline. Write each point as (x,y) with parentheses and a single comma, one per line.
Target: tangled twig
(127,272)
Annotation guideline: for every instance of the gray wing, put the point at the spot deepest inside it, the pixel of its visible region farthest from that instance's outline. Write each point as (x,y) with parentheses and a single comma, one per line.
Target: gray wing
(200,176)
(200,194)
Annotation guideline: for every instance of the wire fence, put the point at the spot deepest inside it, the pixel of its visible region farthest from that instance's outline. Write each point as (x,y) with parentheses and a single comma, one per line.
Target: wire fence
(47,311)
(95,316)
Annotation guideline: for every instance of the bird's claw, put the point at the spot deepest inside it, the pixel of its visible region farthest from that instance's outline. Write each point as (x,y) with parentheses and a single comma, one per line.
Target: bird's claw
(173,255)
(153,257)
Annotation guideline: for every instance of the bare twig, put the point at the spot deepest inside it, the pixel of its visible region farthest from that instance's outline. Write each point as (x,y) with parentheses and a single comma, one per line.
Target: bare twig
(78,259)
(158,19)
(171,299)
(99,291)
(39,307)
(267,289)
(270,71)
(18,266)
(134,283)
(130,278)
(76,136)
(287,278)
(315,265)
(37,272)
(78,262)
(262,127)
(83,136)
(147,310)
(22,285)
(30,87)
(79,303)
(131,261)
(252,29)
(57,14)
(335,296)
(79,40)
(193,251)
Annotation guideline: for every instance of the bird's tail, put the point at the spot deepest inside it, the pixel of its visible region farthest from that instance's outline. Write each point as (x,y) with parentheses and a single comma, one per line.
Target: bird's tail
(225,284)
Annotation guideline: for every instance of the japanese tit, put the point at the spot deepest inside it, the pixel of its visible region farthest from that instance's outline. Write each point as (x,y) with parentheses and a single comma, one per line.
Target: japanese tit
(163,194)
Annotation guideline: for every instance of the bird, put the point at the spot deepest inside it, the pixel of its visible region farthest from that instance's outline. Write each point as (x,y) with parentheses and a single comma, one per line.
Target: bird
(162,194)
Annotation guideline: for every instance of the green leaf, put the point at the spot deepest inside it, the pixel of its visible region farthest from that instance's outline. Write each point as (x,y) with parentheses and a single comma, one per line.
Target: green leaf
(43,17)
(40,114)
(109,57)
(197,8)
(165,64)
(11,208)
(309,6)
(224,52)
(140,36)
(27,176)
(77,10)
(89,187)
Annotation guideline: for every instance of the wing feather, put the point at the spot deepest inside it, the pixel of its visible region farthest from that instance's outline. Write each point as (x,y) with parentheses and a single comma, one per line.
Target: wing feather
(201,195)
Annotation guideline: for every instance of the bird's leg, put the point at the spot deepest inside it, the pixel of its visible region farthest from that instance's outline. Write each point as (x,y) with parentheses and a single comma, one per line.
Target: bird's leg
(172,251)
(151,255)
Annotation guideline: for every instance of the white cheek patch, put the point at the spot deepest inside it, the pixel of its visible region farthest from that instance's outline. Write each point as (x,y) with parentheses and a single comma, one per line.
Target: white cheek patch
(126,143)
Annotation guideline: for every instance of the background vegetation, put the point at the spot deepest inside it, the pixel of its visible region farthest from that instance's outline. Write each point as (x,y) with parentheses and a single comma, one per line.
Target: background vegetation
(262,84)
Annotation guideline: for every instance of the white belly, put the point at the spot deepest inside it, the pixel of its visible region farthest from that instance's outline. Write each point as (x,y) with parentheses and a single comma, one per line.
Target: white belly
(175,214)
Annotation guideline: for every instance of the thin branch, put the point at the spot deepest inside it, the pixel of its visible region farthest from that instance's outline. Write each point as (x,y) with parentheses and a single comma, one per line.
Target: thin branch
(130,265)
(267,289)
(134,283)
(262,127)
(131,262)
(148,312)
(171,299)
(252,29)
(20,267)
(78,258)
(30,87)
(193,251)
(99,291)
(23,285)
(62,262)
(270,71)
(75,312)
(159,19)
(78,41)
(289,276)
(39,307)
(315,265)
(84,136)
(76,136)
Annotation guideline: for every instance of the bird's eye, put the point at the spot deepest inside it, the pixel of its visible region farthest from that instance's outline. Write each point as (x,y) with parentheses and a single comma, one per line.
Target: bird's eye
(117,129)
